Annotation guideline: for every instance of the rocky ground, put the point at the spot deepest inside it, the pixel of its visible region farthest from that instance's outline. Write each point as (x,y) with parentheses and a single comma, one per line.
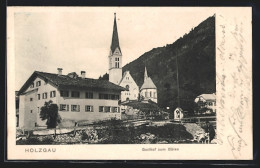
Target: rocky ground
(117,134)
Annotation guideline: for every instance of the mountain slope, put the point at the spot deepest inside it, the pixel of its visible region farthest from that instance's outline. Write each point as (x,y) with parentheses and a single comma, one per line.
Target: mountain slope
(196,62)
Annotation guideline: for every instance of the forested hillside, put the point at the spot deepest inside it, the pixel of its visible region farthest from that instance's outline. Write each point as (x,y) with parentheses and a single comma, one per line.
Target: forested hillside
(196,62)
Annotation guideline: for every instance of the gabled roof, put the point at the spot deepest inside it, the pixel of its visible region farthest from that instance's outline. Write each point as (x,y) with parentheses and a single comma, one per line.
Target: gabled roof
(66,82)
(115,39)
(125,73)
(207,97)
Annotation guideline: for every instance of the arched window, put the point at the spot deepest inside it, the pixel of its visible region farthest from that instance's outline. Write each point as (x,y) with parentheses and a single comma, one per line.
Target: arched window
(151,94)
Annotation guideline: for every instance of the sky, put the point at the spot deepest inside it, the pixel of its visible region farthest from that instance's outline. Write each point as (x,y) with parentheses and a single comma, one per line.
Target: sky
(78,39)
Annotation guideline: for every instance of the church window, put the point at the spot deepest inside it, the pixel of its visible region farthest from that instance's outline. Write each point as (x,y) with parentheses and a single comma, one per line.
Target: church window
(117,62)
(151,94)
(127,86)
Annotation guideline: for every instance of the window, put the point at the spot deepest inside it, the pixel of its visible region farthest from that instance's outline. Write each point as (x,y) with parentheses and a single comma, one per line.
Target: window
(113,97)
(31,111)
(89,95)
(146,94)
(64,107)
(127,86)
(64,93)
(117,97)
(31,99)
(151,94)
(88,108)
(32,85)
(38,83)
(107,109)
(105,96)
(53,93)
(117,62)
(108,96)
(101,108)
(74,94)
(114,109)
(39,96)
(154,95)
(44,95)
(75,108)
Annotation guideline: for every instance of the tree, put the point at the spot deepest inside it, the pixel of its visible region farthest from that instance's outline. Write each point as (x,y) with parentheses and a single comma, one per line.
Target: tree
(50,113)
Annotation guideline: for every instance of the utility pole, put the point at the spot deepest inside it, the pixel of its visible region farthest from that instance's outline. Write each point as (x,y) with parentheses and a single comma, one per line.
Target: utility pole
(178,89)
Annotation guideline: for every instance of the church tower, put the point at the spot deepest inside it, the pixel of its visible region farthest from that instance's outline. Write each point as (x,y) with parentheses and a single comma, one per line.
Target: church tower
(115,57)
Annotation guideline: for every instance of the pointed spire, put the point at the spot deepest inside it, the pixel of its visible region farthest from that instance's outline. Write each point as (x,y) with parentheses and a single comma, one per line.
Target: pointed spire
(145,73)
(115,40)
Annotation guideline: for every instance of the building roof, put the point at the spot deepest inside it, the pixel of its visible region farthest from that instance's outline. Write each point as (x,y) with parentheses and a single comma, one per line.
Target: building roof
(115,39)
(125,73)
(207,97)
(149,106)
(148,84)
(66,82)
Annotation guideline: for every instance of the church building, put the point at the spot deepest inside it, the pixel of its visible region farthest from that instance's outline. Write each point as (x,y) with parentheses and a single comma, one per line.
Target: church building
(148,90)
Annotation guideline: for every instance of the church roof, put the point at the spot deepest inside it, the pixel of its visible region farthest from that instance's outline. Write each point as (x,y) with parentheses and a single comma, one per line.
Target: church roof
(148,84)
(115,39)
(67,82)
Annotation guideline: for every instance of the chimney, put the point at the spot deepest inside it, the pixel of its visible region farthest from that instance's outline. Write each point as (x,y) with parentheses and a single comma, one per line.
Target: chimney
(59,71)
(83,74)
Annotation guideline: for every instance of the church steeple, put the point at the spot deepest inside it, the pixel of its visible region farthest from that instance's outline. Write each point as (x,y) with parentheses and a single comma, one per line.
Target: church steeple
(115,57)
(115,39)
(145,73)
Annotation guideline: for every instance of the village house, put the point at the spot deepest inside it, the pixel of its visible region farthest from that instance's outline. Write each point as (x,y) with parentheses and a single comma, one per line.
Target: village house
(78,98)
(206,103)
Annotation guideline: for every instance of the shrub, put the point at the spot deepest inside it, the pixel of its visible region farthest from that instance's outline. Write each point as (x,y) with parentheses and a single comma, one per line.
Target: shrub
(47,140)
